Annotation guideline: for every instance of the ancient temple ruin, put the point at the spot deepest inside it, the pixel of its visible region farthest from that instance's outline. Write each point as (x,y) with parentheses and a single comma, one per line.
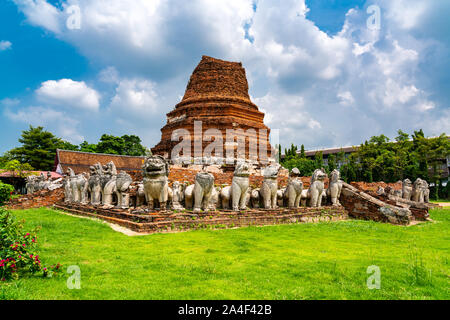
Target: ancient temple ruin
(217,97)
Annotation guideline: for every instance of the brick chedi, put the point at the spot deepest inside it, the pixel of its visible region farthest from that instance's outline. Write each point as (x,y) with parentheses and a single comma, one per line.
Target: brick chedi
(217,95)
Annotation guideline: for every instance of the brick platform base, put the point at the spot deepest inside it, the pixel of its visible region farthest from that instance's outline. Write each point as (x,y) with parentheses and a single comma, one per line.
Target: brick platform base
(171,221)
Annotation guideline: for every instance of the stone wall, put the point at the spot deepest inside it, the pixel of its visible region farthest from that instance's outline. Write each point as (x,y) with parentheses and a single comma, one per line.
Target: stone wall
(361,205)
(373,186)
(43,198)
(225,177)
(187,220)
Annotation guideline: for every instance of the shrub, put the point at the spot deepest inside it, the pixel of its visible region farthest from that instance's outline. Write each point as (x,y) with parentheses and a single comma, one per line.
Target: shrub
(18,249)
(5,192)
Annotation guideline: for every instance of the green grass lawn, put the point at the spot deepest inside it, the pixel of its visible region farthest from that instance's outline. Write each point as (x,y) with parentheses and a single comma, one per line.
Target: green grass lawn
(440,201)
(302,261)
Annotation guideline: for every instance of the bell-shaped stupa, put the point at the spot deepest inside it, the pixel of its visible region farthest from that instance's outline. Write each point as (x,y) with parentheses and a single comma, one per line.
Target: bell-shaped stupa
(217,99)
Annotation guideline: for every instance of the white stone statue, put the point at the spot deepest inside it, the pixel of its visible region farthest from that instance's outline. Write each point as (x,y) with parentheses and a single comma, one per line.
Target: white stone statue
(316,188)
(123,182)
(335,187)
(426,192)
(420,191)
(177,195)
(214,200)
(140,195)
(156,183)
(30,184)
(203,187)
(269,186)
(78,186)
(239,186)
(255,198)
(225,197)
(42,182)
(406,189)
(281,193)
(294,189)
(189,197)
(95,184)
(109,173)
(68,196)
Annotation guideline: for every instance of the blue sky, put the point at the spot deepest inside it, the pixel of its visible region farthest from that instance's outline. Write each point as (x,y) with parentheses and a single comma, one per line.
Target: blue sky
(322,77)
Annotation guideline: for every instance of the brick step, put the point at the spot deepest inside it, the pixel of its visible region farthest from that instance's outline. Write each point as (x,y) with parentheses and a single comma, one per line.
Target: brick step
(170,222)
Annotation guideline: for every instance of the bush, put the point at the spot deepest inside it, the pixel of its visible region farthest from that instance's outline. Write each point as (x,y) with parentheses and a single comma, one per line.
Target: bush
(18,249)
(5,192)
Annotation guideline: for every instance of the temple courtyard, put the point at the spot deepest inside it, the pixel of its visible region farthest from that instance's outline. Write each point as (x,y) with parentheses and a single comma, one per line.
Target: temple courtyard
(324,260)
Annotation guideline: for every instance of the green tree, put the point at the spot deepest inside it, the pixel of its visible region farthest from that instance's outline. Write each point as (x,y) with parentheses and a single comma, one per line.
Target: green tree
(331,162)
(302,152)
(129,145)
(65,145)
(306,166)
(110,144)
(88,147)
(18,169)
(133,146)
(38,148)
(5,158)
(318,160)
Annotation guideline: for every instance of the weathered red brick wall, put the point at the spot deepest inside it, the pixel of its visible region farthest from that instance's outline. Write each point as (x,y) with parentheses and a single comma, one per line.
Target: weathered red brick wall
(43,198)
(225,178)
(373,186)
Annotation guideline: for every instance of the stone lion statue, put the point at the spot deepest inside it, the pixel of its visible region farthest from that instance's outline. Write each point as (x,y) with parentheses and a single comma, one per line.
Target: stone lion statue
(203,188)
(67,189)
(255,198)
(420,191)
(140,195)
(294,189)
(177,195)
(316,188)
(335,187)
(239,186)
(406,189)
(214,200)
(95,184)
(109,182)
(123,182)
(156,182)
(225,197)
(426,192)
(31,184)
(78,186)
(269,186)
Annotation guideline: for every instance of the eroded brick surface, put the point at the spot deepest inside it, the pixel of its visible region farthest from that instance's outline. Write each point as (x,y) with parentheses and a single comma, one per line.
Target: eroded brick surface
(43,198)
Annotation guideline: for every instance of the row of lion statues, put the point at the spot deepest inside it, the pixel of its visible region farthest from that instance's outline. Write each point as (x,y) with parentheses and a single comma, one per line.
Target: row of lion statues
(41,182)
(418,191)
(103,184)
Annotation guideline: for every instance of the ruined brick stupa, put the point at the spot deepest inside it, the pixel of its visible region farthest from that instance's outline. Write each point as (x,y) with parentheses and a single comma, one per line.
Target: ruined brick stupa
(217,95)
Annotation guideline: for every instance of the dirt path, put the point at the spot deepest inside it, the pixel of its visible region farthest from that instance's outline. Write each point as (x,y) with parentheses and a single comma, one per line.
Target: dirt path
(115,227)
(443,204)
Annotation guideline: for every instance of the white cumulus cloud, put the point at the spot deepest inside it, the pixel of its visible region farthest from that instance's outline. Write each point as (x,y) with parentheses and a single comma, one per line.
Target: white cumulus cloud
(66,92)
(137,96)
(303,78)
(5,45)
